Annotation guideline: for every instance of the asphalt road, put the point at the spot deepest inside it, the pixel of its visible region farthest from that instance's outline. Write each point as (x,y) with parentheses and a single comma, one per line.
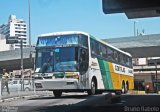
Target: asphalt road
(81,102)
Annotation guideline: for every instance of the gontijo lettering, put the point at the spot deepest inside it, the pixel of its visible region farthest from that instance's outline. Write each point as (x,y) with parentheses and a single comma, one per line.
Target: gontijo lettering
(120,68)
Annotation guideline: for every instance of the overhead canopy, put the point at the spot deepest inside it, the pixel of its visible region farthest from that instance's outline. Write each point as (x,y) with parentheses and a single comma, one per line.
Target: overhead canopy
(132,8)
(138,46)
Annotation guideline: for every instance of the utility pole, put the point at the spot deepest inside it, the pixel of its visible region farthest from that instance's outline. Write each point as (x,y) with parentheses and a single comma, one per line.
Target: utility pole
(22,74)
(13,40)
(135,28)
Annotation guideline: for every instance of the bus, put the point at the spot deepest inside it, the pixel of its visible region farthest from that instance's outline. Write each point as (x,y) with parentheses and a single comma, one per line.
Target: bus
(75,61)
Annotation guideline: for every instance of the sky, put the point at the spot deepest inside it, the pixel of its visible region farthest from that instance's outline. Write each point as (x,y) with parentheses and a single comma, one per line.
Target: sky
(75,15)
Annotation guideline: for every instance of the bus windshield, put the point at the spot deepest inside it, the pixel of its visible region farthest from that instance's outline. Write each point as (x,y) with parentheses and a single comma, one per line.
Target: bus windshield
(56,59)
(58,40)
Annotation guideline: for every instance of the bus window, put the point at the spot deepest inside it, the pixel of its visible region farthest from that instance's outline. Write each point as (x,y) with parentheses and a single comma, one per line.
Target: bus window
(83,61)
(124,59)
(103,51)
(83,40)
(130,62)
(115,55)
(110,53)
(127,61)
(97,48)
(92,46)
(121,59)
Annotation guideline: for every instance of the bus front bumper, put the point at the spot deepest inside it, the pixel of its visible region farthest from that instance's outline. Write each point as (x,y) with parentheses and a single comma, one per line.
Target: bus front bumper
(56,84)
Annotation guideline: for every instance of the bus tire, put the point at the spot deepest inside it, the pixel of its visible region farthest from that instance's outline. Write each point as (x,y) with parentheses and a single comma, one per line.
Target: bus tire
(57,93)
(92,91)
(123,88)
(126,87)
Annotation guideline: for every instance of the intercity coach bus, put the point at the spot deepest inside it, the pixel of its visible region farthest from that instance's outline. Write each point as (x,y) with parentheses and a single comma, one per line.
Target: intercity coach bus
(75,61)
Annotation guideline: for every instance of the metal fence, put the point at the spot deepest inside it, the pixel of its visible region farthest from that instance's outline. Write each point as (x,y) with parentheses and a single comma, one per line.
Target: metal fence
(16,87)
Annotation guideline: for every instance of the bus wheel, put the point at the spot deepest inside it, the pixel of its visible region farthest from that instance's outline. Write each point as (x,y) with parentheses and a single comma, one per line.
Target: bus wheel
(93,88)
(123,87)
(57,93)
(126,87)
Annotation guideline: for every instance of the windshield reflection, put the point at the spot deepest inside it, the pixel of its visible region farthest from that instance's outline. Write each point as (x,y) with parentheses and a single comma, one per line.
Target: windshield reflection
(56,60)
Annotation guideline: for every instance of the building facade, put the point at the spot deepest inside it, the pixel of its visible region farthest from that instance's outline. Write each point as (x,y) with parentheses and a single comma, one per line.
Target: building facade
(4,46)
(15,28)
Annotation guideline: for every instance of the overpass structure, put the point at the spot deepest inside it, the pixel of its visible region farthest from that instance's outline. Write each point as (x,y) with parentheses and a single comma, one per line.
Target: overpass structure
(138,46)
(11,59)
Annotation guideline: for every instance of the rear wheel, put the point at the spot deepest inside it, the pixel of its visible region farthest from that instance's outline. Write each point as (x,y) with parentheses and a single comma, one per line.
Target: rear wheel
(93,88)
(123,87)
(57,93)
(126,87)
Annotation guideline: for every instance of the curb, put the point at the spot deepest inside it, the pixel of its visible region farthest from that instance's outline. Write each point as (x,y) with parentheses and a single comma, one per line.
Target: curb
(31,96)
(19,97)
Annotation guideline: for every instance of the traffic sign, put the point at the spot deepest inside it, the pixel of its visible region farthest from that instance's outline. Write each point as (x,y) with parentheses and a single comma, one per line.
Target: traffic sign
(12,40)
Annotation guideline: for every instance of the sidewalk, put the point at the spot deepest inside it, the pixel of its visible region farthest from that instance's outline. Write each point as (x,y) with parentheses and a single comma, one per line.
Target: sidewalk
(23,94)
(135,92)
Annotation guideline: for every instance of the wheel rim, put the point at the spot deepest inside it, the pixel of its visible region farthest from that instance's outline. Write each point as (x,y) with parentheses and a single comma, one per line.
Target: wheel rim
(126,88)
(93,87)
(123,88)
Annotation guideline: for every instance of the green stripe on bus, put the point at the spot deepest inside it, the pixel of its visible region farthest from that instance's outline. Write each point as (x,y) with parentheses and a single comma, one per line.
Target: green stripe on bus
(108,72)
(105,72)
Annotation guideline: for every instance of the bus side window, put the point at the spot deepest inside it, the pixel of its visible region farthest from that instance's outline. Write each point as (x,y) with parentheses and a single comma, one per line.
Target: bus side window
(103,51)
(97,48)
(130,62)
(127,61)
(116,56)
(110,54)
(83,61)
(122,59)
(92,47)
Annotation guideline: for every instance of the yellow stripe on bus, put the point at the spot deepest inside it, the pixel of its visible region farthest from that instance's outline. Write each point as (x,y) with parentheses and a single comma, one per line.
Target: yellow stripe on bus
(118,78)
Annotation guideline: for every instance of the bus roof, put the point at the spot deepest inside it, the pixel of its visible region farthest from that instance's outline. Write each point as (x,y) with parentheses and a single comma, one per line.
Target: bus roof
(63,33)
(116,48)
(111,46)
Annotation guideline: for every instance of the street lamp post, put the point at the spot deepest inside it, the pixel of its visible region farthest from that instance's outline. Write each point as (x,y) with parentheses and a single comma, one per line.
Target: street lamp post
(135,27)
(29,14)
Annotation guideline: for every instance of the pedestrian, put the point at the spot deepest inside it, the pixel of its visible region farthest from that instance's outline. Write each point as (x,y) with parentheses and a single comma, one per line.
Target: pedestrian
(5,79)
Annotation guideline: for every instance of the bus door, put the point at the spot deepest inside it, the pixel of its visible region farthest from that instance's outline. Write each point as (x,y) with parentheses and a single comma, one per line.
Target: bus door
(83,66)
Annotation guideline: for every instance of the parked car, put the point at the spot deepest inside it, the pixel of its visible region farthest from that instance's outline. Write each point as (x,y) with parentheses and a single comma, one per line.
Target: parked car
(17,85)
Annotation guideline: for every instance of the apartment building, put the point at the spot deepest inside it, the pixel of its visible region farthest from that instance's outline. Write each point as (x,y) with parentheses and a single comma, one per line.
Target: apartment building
(15,28)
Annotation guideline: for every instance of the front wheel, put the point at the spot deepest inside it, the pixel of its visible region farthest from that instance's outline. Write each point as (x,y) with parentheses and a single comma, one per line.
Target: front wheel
(93,88)
(57,93)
